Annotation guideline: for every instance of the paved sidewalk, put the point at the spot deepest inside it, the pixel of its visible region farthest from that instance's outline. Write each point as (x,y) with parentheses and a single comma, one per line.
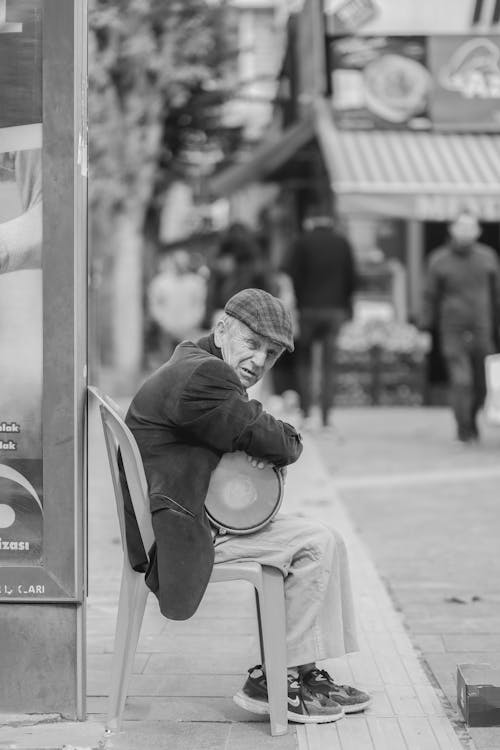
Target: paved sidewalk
(427,509)
(185,673)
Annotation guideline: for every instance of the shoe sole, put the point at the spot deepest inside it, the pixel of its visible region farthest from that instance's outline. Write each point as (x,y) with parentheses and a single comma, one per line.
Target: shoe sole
(356,707)
(261,708)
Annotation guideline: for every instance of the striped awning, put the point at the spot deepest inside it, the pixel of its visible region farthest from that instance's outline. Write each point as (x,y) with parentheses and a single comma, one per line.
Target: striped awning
(425,175)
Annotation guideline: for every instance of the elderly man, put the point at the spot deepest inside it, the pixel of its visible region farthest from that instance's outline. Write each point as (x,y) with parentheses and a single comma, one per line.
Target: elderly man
(185,417)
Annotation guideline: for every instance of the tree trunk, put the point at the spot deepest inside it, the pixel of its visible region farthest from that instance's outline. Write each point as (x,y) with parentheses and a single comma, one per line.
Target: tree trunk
(127,306)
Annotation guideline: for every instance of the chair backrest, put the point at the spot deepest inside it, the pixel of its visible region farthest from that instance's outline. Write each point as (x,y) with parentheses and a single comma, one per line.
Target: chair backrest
(118,436)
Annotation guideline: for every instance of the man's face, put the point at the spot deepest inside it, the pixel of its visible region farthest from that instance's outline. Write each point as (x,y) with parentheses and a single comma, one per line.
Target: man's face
(249,354)
(464,230)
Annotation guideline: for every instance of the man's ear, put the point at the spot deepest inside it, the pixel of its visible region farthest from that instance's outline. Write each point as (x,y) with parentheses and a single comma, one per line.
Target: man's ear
(219,329)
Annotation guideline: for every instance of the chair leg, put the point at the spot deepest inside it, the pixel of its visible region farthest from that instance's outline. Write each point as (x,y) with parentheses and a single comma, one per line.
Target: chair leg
(131,606)
(259,625)
(272,604)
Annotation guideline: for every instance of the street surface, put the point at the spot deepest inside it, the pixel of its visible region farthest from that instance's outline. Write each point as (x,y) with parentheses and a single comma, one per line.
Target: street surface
(428,510)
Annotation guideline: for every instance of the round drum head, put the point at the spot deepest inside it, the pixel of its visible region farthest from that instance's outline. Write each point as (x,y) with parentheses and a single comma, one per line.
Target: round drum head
(242,498)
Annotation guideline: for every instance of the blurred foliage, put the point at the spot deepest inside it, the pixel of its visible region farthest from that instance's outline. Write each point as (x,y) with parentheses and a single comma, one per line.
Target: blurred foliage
(157,73)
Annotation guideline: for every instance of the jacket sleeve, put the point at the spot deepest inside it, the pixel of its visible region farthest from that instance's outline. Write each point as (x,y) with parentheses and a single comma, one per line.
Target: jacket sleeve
(214,410)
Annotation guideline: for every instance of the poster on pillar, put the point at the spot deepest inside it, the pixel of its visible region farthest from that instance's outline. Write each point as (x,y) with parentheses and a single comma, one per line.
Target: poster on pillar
(21,312)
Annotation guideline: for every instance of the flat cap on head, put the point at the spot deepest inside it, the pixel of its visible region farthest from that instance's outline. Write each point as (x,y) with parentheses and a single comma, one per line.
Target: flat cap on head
(264,314)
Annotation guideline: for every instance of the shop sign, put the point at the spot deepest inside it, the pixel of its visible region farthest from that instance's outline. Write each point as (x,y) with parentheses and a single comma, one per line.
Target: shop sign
(380,82)
(21,313)
(350,15)
(466,72)
(446,207)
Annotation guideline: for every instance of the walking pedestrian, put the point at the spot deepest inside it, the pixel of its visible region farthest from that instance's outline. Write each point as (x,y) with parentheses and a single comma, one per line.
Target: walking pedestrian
(186,415)
(322,268)
(462,302)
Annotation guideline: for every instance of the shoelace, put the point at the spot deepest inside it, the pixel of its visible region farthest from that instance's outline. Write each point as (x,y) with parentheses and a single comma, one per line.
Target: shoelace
(324,677)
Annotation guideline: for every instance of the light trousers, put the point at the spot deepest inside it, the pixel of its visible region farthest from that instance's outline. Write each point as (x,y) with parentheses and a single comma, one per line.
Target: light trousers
(318,597)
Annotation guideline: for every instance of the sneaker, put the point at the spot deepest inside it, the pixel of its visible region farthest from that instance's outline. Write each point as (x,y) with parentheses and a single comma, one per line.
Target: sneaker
(304,707)
(319,682)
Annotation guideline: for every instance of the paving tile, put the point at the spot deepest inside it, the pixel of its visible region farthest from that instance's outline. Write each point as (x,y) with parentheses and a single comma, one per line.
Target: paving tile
(390,666)
(204,663)
(102,663)
(50,736)
(404,645)
(415,669)
(488,643)
(419,735)
(449,736)
(212,626)
(364,668)
(429,700)
(97,707)
(181,685)
(169,735)
(249,736)
(354,733)
(404,700)
(194,709)
(386,734)
(380,705)
(433,644)
(485,737)
(190,646)
(318,737)
(459,625)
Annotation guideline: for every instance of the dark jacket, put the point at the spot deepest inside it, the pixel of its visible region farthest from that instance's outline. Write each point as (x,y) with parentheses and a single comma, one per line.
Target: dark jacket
(462,291)
(322,269)
(184,418)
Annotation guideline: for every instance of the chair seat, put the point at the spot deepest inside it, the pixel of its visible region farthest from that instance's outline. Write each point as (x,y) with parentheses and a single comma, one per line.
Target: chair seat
(232,571)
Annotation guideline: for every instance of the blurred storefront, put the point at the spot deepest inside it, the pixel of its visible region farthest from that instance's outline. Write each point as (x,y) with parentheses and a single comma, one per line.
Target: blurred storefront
(411,133)
(399,109)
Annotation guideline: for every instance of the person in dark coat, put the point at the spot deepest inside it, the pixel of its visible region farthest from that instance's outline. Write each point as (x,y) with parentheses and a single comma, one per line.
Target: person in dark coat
(462,302)
(185,417)
(323,272)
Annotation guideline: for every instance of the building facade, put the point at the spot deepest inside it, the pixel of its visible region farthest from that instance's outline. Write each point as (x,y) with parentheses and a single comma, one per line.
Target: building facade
(412,135)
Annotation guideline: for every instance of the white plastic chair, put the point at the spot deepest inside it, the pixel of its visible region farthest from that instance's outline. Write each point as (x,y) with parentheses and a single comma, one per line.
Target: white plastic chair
(267,581)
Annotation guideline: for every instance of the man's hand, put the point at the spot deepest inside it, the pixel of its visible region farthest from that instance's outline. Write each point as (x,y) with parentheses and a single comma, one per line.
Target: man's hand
(258,463)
